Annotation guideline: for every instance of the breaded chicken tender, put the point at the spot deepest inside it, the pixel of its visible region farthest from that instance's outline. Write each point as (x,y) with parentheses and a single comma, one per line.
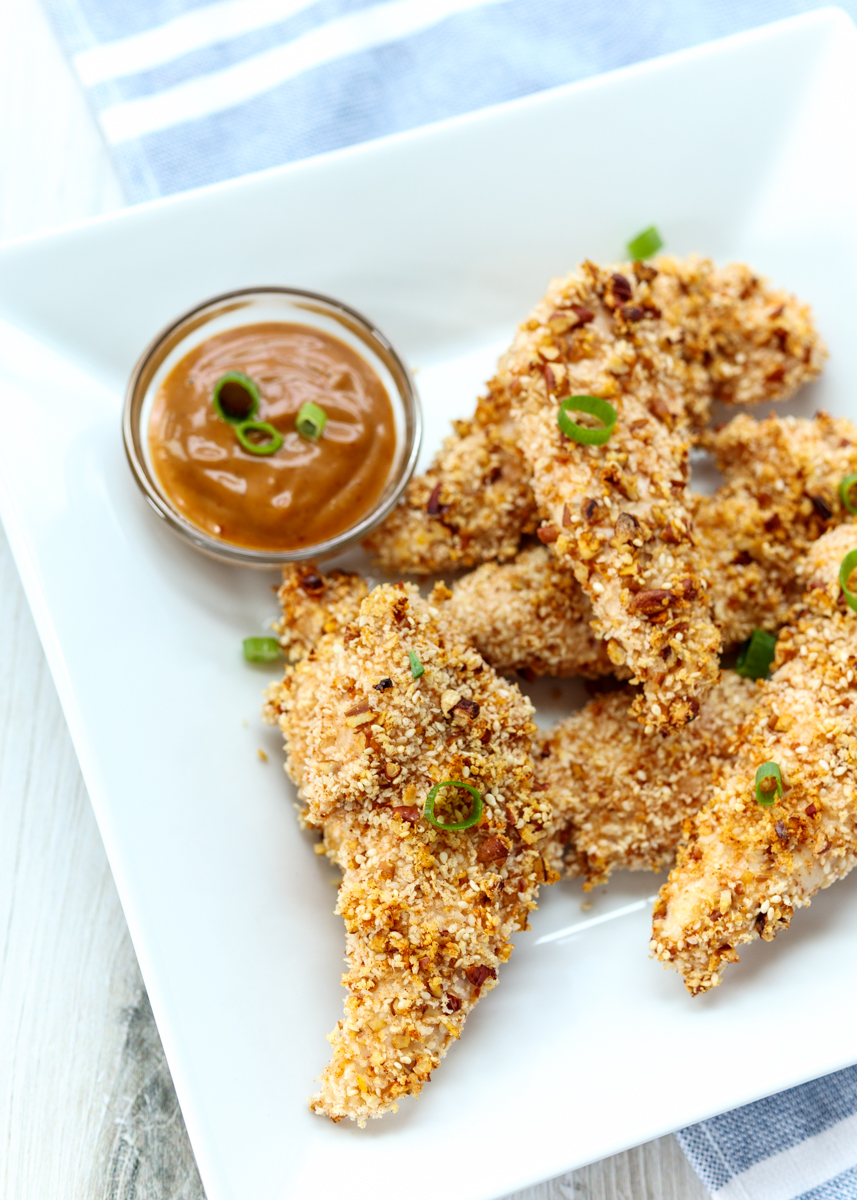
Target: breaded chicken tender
(531,615)
(746,867)
(429,913)
(620,797)
(730,335)
(781,492)
(473,504)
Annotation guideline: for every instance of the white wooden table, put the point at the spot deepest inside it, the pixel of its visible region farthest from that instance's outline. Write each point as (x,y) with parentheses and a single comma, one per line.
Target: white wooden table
(87,1107)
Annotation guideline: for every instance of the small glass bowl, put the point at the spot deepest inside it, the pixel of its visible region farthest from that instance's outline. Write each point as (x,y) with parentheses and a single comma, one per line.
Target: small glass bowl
(251,306)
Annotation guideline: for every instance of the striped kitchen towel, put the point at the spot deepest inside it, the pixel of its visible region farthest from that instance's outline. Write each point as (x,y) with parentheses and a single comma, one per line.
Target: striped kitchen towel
(799,1145)
(188,92)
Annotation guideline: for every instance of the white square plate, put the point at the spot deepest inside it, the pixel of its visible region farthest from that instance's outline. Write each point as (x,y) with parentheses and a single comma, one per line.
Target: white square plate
(445,237)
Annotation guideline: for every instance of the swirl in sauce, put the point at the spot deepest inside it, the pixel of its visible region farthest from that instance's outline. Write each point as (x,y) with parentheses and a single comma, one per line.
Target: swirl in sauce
(306,493)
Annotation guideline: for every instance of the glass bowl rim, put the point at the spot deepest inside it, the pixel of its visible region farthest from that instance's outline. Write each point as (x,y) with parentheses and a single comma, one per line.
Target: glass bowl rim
(242,555)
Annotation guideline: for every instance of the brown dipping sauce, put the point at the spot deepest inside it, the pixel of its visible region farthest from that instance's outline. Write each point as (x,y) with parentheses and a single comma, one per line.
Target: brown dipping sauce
(305,493)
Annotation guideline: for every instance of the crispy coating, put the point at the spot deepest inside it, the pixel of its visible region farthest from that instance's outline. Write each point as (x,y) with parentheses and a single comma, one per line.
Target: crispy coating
(745,868)
(620,513)
(531,614)
(313,604)
(620,797)
(781,493)
(429,914)
(730,337)
(473,504)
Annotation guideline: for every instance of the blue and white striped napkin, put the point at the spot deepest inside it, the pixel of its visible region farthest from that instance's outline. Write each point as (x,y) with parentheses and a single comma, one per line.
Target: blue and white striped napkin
(188,92)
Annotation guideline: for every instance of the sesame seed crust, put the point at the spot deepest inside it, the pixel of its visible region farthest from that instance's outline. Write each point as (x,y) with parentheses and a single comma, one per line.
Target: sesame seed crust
(620,797)
(429,913)
(745,868)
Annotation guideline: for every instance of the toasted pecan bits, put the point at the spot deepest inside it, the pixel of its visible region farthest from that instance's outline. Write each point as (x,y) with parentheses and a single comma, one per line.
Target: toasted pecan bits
(749,864)
(429,908)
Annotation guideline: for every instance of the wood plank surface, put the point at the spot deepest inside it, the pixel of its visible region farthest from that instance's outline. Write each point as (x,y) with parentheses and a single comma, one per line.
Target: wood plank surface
(87,1107)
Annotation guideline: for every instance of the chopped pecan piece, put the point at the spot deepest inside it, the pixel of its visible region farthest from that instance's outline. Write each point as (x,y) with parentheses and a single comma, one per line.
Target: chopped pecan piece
(651,601)
(633,312)
(362,707)
(383,684)
(566,516)
(406,812)
(822,507)
(467,708)
(453,1004)
(478,975)
(593,510)
(621,289)
(547,534)
(312,584)
(658,408)
(493,849)
(627,527)
(644,273)
(433,506)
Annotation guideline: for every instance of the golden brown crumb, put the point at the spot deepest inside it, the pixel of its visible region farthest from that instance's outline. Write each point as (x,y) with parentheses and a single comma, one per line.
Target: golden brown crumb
(620,797)
(745,868)
(429,913)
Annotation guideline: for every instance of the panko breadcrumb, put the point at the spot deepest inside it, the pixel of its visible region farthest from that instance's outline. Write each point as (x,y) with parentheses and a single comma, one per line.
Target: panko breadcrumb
(745,868)
(619,797)
(429,913)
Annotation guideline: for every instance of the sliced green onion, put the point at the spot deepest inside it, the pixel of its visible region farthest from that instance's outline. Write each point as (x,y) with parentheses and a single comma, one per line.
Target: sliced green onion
(849,562)
(261,649)
(757,654)
(235,398)
(417,667)
(767,797)
(595,407)
(271,446)
(475,812)
(845,489)
(645,244)
(310,421)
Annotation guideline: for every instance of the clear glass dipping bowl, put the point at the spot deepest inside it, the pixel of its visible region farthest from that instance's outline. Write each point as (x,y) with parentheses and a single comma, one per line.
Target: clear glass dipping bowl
(251,306)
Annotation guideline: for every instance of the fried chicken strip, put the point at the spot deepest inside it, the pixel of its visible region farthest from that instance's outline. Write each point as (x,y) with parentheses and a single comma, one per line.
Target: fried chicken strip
(746,868)
(781,492)
(620,797)
(429,913)
(733,338)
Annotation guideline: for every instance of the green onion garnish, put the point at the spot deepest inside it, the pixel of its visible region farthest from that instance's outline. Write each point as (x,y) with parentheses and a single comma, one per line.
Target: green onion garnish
(757,654)
(475,812)
(845,489)
(595,407)
(235,398)
(766,796)
(261,649)
(310,421)
(274,437)
(645,244)
(849,562)
(417,667)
